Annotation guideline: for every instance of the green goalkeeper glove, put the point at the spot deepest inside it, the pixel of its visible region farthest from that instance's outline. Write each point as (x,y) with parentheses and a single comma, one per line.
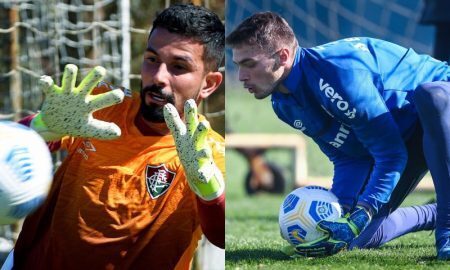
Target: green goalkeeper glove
(203,176)
(321,247)
(67,110)
(338,235)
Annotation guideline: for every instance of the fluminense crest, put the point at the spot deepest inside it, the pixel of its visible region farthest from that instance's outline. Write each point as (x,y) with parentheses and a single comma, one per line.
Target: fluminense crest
(158,180)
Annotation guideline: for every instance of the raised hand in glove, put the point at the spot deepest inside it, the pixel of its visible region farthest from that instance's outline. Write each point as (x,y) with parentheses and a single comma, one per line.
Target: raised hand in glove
(338,235)
(67,110)
(203,176)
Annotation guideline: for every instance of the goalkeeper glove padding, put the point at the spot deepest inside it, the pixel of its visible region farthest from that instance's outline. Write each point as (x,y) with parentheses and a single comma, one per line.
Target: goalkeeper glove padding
(321,247)
(338,235)
(67,110)
(203,176)
(347,228)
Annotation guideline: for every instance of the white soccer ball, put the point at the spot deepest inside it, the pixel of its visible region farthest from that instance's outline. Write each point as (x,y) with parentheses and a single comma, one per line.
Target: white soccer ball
(25,171)
(302,209)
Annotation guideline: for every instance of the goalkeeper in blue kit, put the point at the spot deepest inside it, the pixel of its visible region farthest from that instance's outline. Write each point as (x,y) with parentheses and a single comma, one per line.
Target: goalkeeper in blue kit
(381,114)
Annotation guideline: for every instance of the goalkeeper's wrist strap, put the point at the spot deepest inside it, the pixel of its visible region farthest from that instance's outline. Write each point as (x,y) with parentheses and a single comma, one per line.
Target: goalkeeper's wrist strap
(369,210)
(38,125)
(359,219)
(213,188)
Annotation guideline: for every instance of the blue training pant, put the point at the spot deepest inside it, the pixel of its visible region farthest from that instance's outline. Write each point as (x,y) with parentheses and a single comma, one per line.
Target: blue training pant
(429,144)
(432,101)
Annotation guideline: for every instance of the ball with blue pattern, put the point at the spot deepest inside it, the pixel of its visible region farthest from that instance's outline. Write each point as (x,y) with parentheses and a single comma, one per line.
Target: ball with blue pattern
(302,209)
(25,171)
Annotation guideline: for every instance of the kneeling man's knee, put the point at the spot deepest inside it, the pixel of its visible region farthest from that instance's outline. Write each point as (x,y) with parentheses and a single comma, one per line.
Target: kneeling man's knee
(432,96)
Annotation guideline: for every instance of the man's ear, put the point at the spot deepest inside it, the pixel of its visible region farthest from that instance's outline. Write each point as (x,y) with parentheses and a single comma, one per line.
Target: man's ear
(284,56)
(281,59)
(212,82)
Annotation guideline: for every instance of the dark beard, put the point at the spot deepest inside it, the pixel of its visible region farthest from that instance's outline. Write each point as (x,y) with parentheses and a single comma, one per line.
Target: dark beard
(152,112)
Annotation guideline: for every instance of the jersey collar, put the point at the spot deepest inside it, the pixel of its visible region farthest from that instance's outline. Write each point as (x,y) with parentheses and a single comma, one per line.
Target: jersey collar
(294,78)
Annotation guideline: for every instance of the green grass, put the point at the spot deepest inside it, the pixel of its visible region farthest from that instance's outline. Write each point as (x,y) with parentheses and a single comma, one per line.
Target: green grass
(253,242)
(252,234)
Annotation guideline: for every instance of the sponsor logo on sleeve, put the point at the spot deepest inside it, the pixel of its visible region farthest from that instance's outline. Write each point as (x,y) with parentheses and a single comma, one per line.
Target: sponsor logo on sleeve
(361,46)
(85,148)
(341,136)
(298,124)
(127,92)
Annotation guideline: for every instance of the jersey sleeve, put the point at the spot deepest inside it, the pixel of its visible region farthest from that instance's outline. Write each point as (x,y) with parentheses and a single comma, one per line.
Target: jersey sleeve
(350,174)
(212,213)
(350,94)
(53,146)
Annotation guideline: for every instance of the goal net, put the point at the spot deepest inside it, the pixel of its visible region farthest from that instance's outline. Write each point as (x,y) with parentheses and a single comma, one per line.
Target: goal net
(320,21)
(40,37)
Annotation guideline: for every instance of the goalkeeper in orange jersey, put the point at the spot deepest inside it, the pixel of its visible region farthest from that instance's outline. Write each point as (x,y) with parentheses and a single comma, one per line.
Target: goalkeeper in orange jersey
(139,185)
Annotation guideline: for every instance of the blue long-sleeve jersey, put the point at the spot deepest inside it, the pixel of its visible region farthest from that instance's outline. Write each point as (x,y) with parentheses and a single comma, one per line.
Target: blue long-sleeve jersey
(353,97)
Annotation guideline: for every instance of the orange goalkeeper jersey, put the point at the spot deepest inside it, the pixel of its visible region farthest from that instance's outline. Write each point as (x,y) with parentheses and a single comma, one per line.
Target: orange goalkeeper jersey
(119,204)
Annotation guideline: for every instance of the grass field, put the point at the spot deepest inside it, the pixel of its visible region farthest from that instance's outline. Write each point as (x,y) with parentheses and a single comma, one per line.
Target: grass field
(252,234)
(253,242)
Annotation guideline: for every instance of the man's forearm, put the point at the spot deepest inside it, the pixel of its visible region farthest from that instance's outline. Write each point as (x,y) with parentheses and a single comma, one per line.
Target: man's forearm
(212,219)
(53,145)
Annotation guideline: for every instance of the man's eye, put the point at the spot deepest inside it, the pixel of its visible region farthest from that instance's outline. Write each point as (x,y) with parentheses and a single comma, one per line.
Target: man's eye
(249,65)
(180,67)
(151,59)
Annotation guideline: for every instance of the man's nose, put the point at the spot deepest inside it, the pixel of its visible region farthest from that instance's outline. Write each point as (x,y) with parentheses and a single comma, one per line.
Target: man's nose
(243,76)
(161,75)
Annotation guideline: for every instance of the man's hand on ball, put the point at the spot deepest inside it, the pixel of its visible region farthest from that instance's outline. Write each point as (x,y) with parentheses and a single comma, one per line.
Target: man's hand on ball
(67,110)
(338,235)
(203,176)
(347,228)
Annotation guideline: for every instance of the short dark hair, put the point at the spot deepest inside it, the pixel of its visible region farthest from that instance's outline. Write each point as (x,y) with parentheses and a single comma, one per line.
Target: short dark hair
(198,23)
(265,30)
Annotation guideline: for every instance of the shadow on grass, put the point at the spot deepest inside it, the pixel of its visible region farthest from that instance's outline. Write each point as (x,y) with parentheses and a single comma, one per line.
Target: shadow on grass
(255,254)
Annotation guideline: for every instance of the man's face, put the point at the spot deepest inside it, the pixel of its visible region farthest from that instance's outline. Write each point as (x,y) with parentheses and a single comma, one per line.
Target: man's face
(172,72)
(259,71)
